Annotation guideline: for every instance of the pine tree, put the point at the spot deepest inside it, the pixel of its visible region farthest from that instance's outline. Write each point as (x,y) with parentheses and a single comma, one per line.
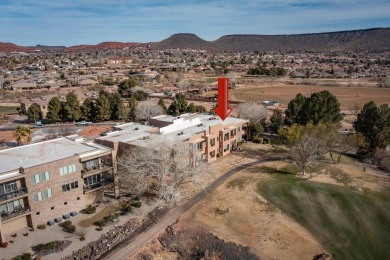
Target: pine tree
(54,110)
(34,112)
(88,110)
(72,107)
(102,108)
(118,110)
(294,108)
(178,106)
(276,120)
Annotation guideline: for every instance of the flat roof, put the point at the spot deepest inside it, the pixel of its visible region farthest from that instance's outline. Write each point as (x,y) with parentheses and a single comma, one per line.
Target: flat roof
(31,155)
(128,132)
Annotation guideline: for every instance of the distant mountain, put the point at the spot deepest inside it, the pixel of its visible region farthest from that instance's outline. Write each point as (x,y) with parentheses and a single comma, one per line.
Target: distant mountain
(376,39)
(184,41)
(10,47)
(369,39)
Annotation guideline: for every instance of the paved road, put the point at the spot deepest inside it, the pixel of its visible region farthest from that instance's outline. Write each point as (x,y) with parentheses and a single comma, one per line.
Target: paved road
(171,217)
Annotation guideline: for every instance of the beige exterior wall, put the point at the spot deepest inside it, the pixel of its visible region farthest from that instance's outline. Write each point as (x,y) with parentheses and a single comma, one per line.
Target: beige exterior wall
(15,225)
(60,203)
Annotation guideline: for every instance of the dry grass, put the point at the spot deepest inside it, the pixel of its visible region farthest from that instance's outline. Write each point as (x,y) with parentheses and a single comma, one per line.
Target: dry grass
(348,96)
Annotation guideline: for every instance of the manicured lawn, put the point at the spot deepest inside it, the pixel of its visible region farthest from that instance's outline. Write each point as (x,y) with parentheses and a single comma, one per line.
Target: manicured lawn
(7,110)
(349,225)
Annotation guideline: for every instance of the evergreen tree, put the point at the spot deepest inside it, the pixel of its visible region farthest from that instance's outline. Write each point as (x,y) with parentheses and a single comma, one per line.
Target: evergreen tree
(178,106)
(191,108)
(131,108)
(255,129)
(88,110)
(118,110)
(54,110)
(276,121)
(374,123)
(125,86)
(320,107)
(34,112)
(102,108)
(72,107)
(294,108)
(161,103)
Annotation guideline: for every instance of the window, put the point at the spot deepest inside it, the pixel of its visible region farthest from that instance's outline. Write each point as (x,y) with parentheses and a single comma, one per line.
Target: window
(92,164)
(40,177)
(238,129)
(67,169)
(70,186)
(199,146)
(212,142)
(226,136)
(8,187)
(38,196)
(65,203)
(10,206)
(52,208)
(92,180)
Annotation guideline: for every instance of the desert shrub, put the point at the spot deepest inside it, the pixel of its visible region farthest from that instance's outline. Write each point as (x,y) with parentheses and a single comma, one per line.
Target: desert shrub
(51,245)
(136,204)
(128,195)
(258,140)
(90,209)
(137,198)
(70,229)
(41,226)
(40,247)
(266,140)
(66,224)
(100,228)
(25,256)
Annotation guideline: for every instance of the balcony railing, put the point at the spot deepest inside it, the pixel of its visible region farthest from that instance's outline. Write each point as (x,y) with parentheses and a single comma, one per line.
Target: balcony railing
(13,194)
(97,185)
(96,169)
(17,212)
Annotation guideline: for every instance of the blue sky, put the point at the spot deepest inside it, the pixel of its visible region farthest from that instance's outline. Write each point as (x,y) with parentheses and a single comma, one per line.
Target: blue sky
(72,22)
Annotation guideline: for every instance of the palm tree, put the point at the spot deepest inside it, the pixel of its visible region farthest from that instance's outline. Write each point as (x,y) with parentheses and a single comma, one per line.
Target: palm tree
(22,135)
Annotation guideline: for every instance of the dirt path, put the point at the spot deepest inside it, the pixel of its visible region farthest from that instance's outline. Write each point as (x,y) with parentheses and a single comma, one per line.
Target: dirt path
(131,249)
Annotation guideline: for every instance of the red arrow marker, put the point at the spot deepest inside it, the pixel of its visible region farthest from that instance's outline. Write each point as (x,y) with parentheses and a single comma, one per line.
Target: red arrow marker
(223,110)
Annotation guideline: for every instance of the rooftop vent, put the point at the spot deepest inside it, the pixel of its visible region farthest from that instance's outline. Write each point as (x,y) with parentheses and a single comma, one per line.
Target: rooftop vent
(181,133)
(200,125)
(136,129)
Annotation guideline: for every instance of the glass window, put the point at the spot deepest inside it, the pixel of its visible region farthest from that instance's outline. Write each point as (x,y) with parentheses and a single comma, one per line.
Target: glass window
(74,167)
(49,193)
(61,171)
(47,176)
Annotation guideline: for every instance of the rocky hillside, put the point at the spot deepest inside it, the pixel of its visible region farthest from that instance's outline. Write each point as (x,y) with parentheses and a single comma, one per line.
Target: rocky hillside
(370,39)
(377,39)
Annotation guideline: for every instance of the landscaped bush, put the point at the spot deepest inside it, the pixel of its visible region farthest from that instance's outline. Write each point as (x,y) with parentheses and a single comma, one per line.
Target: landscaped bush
(128,195)
(90,209)
(137,198)
(25,256)
(48,246)
(258,140)
(240,143)
(136,204)
(66,224)
(70,229)
(41,226)
(4,244)
(266,140)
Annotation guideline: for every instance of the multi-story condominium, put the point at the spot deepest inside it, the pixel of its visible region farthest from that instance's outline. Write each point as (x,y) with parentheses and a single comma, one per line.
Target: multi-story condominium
(44,182)
(47,181)
(206,136)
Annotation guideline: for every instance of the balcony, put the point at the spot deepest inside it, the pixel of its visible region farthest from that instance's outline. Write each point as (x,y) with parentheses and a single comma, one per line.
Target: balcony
(97,186)
(18,211)
(22,191)
(95,169)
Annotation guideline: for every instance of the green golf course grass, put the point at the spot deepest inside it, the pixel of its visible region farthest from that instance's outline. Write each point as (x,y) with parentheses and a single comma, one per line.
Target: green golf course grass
(348,224)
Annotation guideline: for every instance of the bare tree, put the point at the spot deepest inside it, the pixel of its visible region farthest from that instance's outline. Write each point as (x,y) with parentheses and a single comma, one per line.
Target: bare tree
(306,151)
(161,167)
(146,110)
(252,111)
(232,79)
(355,109)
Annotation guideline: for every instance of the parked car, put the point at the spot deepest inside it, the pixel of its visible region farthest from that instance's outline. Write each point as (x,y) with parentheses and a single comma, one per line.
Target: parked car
(83,123)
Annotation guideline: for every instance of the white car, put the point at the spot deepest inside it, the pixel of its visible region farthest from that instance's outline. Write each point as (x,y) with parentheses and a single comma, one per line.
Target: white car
(83,123)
